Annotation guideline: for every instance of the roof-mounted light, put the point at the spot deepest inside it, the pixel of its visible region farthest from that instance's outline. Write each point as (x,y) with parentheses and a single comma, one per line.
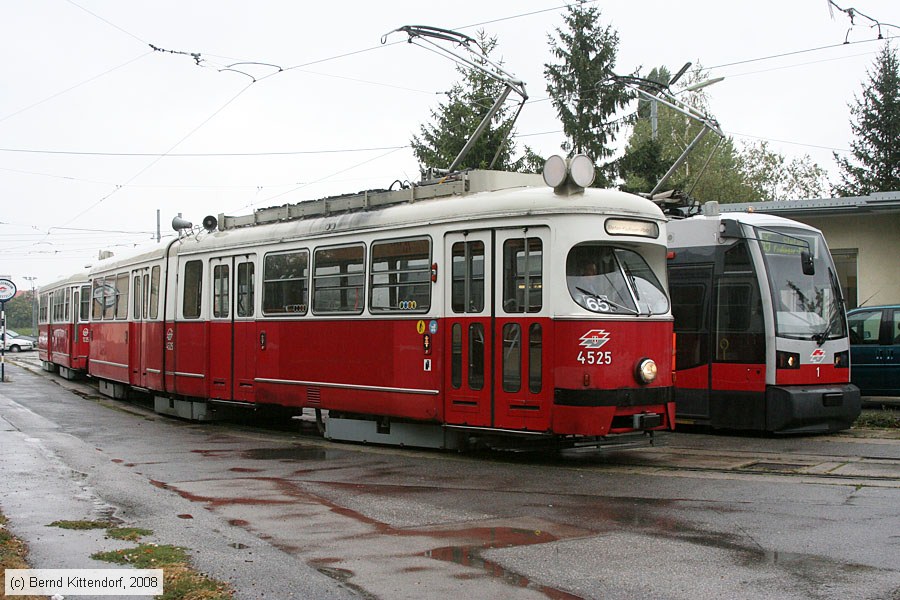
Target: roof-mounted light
(569,176)
(581,168)
(555,171)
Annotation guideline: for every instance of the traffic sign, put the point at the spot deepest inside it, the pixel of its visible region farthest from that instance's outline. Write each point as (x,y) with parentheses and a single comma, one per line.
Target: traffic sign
(7,290)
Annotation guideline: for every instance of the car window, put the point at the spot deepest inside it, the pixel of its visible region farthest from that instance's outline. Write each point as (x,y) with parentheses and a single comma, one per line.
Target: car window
(895,327)
(865,327)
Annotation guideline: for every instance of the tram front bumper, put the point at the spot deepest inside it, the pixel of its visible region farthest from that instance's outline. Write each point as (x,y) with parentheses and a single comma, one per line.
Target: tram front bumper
(811,408)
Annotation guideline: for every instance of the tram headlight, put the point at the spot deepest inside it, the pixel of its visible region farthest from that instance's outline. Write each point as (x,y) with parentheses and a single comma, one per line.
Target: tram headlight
(787,360)
(842,360)
(646,370)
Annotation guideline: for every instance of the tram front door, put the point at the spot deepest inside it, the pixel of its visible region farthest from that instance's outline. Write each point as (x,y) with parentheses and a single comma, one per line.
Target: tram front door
(496,323)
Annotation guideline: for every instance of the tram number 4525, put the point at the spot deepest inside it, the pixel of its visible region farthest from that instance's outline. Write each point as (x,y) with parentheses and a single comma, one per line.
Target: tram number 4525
(595,357)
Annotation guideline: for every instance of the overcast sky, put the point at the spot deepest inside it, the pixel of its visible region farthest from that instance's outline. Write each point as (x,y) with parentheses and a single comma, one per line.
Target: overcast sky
(98,130)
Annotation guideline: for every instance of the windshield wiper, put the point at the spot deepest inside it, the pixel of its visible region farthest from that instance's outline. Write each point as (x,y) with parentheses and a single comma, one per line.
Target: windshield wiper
(637,294)
(833,314)
(607,300)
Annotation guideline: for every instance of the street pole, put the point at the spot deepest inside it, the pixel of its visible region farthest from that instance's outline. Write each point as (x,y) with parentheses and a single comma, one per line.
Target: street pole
(33,306)
(7,292)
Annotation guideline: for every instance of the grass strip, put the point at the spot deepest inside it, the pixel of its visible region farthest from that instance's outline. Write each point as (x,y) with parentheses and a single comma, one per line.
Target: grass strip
(181,581)
(12,556)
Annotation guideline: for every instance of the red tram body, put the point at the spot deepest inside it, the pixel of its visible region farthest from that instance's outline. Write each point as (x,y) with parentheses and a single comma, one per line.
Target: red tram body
(64,329)
(481,306)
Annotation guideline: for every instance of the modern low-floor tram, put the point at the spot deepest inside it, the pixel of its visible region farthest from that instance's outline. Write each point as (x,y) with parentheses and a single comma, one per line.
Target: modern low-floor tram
(761,325)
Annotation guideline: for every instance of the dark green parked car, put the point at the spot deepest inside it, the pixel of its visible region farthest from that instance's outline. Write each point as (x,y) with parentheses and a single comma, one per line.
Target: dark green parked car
(875,349)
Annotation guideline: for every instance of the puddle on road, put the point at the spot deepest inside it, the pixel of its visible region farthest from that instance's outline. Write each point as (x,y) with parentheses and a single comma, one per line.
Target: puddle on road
(496,537)
(288,454)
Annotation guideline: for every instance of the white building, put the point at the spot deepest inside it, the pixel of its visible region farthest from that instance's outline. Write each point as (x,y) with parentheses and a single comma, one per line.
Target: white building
(863,234)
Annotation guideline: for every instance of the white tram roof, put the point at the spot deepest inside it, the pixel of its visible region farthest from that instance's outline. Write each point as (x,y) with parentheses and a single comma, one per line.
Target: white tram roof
(500,199)
(72,280)
(704,229)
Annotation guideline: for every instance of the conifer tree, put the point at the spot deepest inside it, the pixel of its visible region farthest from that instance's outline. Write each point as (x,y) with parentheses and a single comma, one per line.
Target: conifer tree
(468,101)
(876,126)
(582,87)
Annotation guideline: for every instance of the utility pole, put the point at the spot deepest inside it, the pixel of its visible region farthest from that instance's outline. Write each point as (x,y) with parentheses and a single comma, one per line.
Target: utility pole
(34,327)
(7,292)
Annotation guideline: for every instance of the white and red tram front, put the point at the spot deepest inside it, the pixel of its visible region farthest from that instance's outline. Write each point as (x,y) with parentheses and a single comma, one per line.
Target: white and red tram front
(511,311)
(63,326)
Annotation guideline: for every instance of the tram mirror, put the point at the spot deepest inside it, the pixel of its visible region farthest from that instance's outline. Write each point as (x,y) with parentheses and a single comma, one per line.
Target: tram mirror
(731,229)
(809,267)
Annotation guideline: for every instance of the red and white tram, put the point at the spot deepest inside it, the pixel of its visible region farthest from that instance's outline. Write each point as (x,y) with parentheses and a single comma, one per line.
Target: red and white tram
(762,328)
(64,329)
(483,305)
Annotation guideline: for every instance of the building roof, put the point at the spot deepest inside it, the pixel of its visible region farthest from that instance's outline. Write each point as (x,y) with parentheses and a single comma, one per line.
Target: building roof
(879,202)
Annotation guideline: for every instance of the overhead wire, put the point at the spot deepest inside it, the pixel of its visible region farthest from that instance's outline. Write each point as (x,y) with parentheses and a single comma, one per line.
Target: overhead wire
(319,61)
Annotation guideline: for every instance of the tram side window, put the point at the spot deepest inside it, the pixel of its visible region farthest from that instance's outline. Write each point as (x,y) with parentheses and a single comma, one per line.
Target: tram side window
(512,357)
(154,292)
(193,289)
(285,283)
(401,276)
(737,259)
(84,313)
(522,275)
(245,281)
(456,356)
(467,277)
(740,336)
(98,296)
(220,291)
(145,297)
(137,301)
(689,308)
(44,312)
(56,311)
(122,296)
(339,279)
(535,358)
(109,298)
(476,356)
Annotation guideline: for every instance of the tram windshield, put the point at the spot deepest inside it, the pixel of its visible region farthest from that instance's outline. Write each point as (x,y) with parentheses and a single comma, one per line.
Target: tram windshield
(806,306)
(607,279)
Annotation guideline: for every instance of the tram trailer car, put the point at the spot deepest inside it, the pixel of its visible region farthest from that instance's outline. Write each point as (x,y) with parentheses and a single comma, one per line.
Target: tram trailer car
(761,325)
(501,309)
(64,330)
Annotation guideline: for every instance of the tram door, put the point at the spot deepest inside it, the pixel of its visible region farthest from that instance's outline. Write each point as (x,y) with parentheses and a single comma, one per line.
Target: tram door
(232,331)
(136,332)
(691,288)
(469,338)
(495,376)
(144,329)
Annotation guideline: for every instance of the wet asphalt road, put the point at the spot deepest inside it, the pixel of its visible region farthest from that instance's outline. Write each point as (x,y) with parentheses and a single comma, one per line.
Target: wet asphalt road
(283,515)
